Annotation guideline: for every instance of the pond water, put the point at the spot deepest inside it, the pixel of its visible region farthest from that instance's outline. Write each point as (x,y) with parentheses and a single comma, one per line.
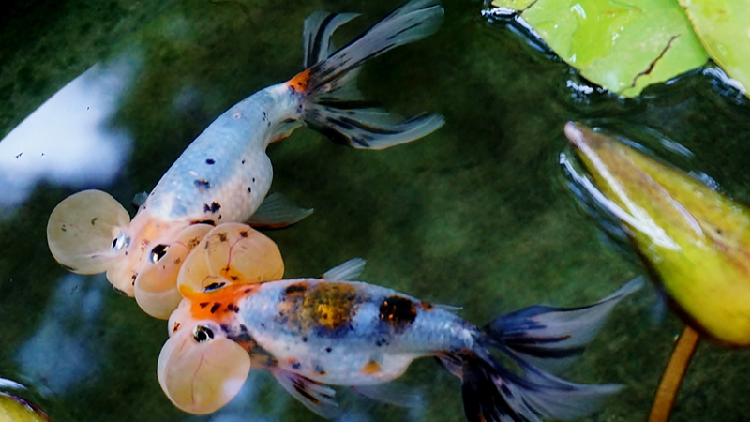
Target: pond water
(476,215)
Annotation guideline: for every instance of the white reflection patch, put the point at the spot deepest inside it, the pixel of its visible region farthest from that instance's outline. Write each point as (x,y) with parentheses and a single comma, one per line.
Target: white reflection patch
(69,140)
(62,354)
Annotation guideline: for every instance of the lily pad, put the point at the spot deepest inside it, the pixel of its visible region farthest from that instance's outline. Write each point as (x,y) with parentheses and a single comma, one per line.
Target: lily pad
(621,45)
(722,26)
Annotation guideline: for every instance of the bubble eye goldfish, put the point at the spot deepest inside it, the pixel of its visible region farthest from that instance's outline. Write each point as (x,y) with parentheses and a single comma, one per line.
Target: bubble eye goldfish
(224,174)
(314,333)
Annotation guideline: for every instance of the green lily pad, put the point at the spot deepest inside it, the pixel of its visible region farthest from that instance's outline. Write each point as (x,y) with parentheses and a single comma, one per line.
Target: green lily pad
(722,26)
(621,45)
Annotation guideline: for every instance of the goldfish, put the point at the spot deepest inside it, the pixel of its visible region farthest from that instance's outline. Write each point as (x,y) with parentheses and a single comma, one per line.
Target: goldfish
(693,238)
(225,174)
(315,333)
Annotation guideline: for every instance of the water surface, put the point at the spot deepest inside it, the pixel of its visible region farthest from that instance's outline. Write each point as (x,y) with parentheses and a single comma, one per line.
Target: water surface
(476,215)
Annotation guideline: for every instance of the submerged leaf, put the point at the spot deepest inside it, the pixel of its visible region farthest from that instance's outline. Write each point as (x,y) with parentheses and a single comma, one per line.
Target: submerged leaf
(696,239)
(722,27)
(621,45)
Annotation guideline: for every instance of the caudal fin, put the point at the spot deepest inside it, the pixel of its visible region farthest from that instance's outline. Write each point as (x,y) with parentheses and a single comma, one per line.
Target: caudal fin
(333,106)
(492,393)
(535,338)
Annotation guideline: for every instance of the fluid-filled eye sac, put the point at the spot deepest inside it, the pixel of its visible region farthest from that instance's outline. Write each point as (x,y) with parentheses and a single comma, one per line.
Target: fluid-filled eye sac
(85,231)
(156,285)
(201,376)
(231,253)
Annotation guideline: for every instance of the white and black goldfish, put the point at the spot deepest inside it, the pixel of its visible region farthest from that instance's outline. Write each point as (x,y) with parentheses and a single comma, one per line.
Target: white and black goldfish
(313,333)
(224,174)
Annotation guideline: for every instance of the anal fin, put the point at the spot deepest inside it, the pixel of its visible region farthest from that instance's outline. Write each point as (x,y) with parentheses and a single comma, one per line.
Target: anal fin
(319,398)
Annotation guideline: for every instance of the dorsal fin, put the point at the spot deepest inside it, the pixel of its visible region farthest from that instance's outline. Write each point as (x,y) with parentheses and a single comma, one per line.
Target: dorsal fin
(349,270)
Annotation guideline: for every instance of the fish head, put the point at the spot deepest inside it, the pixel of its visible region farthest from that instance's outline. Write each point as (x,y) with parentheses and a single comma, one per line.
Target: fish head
(155,285)
(146,240)
(200,367)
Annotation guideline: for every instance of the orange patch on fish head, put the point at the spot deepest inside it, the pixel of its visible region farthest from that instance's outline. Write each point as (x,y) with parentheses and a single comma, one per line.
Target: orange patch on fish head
(221,306)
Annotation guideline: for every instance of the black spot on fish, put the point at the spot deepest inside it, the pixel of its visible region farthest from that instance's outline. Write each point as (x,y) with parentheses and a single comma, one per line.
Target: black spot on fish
(244,234)
(210,161)
(253,180)
(304,339)
(231,307)
(215,307)
(296,288)
(265,116)
(93,221)
(64,229)
(243,161)
(296,365)
(203,304)
(211,222)
(202,183)
(225,328)
(249,189)
(213,208)
(397,310)
(175,327)
(328,350)
(222,237)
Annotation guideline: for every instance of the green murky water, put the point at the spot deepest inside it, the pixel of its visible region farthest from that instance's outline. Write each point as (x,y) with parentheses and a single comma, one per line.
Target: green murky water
(476,215)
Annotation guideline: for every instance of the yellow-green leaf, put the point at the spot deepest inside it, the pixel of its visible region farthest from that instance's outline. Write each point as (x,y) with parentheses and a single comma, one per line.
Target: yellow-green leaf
(696,240)
(723,27)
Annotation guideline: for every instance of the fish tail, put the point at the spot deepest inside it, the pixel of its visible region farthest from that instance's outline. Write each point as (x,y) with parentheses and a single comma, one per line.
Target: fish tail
(332,104)
(540,340)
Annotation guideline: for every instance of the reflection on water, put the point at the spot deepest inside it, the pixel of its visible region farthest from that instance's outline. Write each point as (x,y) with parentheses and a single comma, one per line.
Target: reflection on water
(61,354)
(69,140)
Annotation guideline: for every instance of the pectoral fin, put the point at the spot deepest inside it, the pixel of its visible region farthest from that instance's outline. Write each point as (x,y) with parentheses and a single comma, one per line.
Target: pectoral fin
(319,398)
(277,212)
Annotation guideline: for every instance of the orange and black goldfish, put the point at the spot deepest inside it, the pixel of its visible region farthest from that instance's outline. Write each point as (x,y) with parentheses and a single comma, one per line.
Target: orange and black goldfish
(313,333)
(224,174)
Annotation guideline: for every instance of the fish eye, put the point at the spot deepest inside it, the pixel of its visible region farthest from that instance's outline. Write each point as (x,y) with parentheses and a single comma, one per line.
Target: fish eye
(158,253)
(201,333)
(121,241)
